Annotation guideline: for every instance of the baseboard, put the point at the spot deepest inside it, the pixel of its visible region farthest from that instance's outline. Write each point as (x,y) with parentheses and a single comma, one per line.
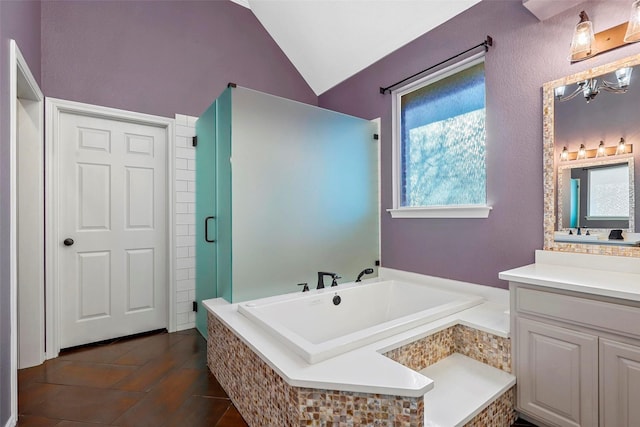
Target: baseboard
(11,422)
(185,326)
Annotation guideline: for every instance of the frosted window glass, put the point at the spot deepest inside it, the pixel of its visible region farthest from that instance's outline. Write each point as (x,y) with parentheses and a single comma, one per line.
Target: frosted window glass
(609,192)
(443,141)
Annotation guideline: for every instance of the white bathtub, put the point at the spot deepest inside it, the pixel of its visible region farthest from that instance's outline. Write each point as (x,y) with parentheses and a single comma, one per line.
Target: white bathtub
(312,326)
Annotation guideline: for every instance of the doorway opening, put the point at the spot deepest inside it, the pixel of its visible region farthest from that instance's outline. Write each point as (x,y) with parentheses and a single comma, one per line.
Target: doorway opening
(27,267)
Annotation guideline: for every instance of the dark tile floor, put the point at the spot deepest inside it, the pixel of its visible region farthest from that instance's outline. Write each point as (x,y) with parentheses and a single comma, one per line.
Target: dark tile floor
(156,380)
(150,381)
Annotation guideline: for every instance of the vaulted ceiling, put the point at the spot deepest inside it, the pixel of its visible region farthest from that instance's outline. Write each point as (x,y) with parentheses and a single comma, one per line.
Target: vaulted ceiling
(328,41)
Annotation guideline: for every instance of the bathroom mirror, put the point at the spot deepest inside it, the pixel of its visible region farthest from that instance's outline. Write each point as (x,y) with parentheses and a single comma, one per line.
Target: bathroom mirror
(597,194)
(585,116)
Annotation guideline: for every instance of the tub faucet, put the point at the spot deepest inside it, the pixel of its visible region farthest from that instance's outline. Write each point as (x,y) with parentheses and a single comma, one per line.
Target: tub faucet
(321,275)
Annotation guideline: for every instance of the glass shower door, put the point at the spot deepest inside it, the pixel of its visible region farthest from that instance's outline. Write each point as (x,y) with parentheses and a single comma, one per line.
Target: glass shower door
(206,286)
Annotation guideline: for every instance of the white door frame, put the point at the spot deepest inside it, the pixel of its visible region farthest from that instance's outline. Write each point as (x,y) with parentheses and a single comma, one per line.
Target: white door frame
(54,107)
(23,84)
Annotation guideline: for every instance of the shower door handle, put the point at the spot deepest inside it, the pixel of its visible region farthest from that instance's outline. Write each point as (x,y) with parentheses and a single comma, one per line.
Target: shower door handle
(206,229)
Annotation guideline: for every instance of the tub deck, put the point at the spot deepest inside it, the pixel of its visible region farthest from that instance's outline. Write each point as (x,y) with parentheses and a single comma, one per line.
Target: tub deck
(362,376)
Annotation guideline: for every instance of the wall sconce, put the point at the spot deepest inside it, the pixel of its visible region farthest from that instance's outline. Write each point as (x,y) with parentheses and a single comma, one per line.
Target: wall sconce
(585,44)
(583,153)
(590,88)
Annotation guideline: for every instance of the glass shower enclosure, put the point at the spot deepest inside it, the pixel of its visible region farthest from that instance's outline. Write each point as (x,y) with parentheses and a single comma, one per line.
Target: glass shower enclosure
(283,190)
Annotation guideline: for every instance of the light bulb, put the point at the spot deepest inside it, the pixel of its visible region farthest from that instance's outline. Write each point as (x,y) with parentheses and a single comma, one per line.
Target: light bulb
(582,152)
(602,152)
(564,156)
(622,148)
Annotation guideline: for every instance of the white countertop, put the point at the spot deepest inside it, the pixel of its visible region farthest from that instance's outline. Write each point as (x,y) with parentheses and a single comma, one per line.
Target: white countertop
(474,385)
(364,369)
(615,277)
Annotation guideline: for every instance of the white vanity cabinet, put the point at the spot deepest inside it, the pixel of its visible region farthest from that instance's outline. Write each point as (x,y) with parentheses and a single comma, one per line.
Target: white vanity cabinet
(557,373)
(576,357)
(619,383)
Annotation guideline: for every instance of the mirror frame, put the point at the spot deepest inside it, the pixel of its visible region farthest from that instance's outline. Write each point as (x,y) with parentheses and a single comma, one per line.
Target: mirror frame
(550,173)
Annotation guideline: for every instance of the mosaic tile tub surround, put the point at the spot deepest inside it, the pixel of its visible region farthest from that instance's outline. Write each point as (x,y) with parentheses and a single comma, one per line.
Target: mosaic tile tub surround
(482,346)
(500,413)
(265,399)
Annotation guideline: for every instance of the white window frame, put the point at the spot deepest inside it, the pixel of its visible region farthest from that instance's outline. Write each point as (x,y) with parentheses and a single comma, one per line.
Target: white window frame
(452,211)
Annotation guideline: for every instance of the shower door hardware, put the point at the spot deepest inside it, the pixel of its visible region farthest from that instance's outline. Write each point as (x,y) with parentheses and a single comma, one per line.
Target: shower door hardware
(194,141)
(376,136)
(68,241)
(206,230)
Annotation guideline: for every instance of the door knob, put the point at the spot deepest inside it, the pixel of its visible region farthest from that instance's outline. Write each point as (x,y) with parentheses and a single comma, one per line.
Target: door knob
(68,241)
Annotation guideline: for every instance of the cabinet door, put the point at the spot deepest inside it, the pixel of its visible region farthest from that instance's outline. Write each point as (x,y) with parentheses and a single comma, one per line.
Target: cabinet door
(557,372)
(620,384)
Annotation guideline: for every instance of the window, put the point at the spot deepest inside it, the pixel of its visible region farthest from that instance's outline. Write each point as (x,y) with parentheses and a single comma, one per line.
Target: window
(439,144)
(608,193)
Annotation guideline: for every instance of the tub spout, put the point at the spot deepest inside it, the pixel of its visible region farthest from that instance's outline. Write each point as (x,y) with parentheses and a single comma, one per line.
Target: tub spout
(321,275)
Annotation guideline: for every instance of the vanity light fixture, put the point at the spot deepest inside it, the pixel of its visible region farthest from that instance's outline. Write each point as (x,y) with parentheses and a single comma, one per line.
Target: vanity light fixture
(590,88)
(586,44)
(602,151)
(633,28)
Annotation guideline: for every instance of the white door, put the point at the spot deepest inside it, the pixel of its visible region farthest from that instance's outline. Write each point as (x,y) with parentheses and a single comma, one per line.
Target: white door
(113,266)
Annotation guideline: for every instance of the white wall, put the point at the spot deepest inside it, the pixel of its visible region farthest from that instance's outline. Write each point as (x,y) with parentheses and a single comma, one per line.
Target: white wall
(185,218)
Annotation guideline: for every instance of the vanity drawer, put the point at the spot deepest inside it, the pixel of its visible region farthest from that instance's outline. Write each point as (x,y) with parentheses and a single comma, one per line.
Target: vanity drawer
(617,318)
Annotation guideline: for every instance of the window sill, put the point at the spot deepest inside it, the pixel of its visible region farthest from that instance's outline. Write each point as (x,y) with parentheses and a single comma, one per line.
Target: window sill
(442,212)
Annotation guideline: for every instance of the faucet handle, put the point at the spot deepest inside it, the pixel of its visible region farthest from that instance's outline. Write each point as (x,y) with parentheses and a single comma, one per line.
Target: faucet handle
(335,277)
(305,287)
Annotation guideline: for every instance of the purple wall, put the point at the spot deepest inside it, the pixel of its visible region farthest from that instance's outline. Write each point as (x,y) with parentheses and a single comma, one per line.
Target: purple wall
(526,54)
(19,20)
(160,57)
